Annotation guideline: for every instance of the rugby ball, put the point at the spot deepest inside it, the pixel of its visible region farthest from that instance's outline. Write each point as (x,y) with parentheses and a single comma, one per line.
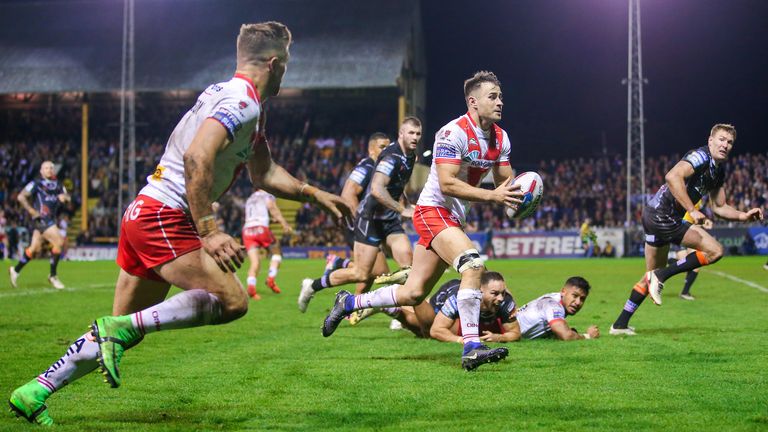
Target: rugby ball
(533,188)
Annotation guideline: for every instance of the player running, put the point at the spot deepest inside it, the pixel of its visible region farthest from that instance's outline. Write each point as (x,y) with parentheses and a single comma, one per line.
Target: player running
(257,236)
(545,316)
(169,234)
(380,216)
(354,191)
(464,150)
(700,172)
(46,194)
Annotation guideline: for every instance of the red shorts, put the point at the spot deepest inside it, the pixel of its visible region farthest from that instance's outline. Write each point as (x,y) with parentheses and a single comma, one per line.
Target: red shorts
(152,233)
(258,236)
(430,221)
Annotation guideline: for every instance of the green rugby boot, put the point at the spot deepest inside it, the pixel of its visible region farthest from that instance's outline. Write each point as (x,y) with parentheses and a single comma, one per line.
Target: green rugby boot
(114,335)
(28,401)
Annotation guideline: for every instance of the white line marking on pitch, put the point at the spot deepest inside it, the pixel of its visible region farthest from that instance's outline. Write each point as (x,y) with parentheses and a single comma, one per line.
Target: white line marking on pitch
(734,278)
(31,291)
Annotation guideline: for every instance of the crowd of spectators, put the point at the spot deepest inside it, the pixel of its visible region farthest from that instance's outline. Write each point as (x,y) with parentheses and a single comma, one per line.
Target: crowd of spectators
(574,189)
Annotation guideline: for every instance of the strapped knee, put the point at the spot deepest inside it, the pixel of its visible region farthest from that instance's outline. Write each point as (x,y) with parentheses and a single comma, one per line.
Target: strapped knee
(469,259)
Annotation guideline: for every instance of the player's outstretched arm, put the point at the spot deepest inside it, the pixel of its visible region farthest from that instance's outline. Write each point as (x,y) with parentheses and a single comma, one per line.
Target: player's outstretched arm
(277,215)
(442,329)
(563,332)
(266,174)
(721,208)
(198,175)
(506,193)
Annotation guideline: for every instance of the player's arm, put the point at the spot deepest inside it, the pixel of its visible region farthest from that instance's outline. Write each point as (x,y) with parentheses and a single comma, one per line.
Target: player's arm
(351,191)
(511,333)
(721,208)
(502,173)
(441,329)
(675,179)
(447,174)
(210,139)
(64,196)
(379,192)
(23,199)
(276,214)
(268,175)
(563,332)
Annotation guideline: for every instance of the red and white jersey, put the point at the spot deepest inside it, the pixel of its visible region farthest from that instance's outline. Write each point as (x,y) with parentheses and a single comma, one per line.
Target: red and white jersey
(537,316)
(462,142)
(235,104)
(256,211)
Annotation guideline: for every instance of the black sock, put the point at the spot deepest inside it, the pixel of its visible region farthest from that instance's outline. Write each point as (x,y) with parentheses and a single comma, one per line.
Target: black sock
(22,261)
(322,283)
(635,299)
(54,263)
(690,278)
(691,262)
(671,261)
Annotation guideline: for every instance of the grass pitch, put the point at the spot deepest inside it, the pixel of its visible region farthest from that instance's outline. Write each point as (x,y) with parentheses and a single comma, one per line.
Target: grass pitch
(695,365)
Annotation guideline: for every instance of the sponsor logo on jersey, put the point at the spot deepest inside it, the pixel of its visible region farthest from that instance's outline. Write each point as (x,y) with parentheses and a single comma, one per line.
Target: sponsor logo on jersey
(446,133)
(243,104)
(473,155)
(481,163)
(697,158)
(445,151)
(385,167)
(213,89)
(158,174)
(229,120)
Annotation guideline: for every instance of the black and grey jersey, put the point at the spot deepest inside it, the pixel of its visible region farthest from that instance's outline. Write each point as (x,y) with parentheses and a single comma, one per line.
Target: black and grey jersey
(45,196)
(398,167)
(707,177)
(362,174)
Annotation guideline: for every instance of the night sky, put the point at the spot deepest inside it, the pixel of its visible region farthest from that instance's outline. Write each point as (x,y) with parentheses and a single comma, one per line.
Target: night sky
(561,63)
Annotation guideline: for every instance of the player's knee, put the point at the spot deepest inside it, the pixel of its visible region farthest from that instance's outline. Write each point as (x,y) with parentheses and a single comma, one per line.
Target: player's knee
(469,263)
(715,253)
(362,276)
(234,307)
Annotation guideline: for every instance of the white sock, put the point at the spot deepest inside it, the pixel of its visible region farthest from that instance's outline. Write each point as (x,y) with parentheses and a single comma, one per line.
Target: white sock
(251,280)
(468,300)
(274,265)
(382,297)
(79,360)
(187,309)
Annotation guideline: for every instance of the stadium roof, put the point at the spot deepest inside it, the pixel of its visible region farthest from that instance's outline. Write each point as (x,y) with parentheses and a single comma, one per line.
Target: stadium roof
(58,46)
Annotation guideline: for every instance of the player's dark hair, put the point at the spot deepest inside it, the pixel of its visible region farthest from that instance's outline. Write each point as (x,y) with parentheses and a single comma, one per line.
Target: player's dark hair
(490,276)
(477,79)
(377,136)
(413,121)
(578,282)
(260,41)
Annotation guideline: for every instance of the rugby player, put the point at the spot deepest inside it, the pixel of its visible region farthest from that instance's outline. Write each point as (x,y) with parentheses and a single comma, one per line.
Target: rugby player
(257,236)
(380,216)
(700,172)
(545,316)
(464,151)
(46,194)
(169,234)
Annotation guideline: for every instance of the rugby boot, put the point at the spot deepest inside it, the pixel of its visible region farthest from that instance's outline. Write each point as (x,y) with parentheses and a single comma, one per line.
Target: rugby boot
(28,401)
(305,295)
(655,287)
(359,315)
(54,280)
(629,331)
(114,335)
(273,285)
(14,275)
(337,313)
(478,354)
(397,277)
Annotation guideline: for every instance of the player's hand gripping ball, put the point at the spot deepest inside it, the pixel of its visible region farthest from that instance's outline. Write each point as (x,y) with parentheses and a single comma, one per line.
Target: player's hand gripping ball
(533,188)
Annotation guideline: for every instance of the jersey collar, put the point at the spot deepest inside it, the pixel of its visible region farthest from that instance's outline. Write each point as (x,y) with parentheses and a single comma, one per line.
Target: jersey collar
(253,92)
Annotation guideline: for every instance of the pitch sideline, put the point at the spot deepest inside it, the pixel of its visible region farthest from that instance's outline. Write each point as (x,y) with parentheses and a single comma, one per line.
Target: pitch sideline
(737,279)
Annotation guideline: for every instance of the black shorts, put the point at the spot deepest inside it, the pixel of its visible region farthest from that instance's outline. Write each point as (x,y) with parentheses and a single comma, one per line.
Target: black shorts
(373,231)
(662,229)
(43,223)
(349,236)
